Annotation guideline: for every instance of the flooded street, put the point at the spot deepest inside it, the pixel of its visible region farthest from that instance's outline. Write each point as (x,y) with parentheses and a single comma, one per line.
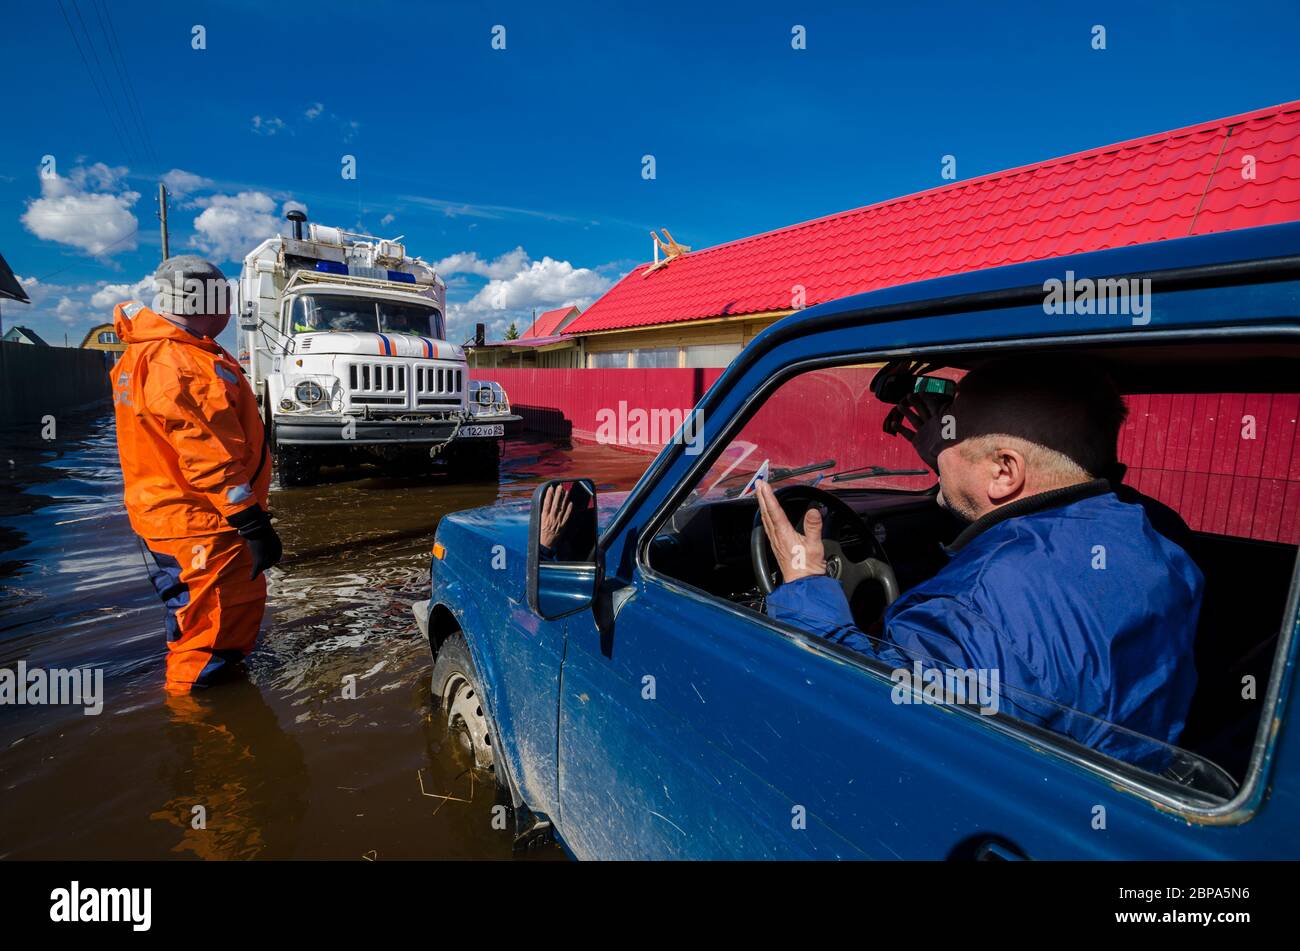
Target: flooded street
(281,765)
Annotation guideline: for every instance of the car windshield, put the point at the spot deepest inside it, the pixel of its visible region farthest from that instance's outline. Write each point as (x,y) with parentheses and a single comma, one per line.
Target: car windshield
(823,426)
(317,312)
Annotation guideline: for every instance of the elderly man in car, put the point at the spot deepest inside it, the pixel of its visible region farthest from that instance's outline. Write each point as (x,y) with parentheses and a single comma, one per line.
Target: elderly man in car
(1084,609)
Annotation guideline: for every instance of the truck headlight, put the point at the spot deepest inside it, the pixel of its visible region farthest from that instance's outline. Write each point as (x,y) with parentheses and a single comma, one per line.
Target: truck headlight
(487,398)
(309,392)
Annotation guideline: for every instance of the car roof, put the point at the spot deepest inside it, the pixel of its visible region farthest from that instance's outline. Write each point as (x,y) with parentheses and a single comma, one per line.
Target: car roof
(1265,243)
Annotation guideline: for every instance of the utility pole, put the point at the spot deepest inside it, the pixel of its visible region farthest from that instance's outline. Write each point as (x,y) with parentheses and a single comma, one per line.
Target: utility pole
(162,216)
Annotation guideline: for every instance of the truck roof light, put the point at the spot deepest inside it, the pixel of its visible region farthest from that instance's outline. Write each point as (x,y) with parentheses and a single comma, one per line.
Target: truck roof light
(401,276)
(331,267)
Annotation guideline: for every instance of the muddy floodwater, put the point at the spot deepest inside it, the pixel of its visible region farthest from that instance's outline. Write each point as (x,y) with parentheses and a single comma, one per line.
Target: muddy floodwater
(282,764)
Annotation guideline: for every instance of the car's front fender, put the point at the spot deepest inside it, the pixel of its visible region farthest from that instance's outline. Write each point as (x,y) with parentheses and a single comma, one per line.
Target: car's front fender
(518,667)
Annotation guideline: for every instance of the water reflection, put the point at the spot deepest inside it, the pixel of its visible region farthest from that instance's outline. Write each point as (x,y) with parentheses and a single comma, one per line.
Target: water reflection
(237,781)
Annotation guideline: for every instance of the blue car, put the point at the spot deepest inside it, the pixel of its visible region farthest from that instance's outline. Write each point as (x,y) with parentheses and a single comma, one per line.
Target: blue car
(612,660)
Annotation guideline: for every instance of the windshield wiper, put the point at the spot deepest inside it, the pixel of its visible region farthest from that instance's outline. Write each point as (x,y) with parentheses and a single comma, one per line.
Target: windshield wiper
(780,475)
(873,472)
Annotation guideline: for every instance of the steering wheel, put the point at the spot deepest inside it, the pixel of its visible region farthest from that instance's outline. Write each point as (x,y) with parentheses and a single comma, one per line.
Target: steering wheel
(853,555)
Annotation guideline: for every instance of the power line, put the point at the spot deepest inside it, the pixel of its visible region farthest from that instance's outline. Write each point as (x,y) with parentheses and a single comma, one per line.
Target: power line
(117,106)
(115,48)
(46,277)
(94,81)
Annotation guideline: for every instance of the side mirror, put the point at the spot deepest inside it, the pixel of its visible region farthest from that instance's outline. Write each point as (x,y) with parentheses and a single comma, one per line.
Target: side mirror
(248,317)
(563,572)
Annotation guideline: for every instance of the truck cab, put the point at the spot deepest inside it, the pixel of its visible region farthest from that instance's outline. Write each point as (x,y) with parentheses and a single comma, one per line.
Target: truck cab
(633,694)
(344,340)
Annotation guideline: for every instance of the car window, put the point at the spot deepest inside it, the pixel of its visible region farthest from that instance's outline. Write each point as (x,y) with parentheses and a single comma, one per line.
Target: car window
(1224,461)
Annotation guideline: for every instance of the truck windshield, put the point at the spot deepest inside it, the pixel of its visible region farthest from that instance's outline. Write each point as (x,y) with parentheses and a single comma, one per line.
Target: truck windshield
(409,319)
(317,312)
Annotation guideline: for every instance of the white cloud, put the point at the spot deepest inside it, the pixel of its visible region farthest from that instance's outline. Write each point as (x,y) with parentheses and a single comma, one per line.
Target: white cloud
(516,285)
(73,308)
(545,282)
(232,225)
(388,219)
(314,110)
(70,311)
(88,209)
(109,295)
(180,182)
(468,262)
(464,209)
(267,126)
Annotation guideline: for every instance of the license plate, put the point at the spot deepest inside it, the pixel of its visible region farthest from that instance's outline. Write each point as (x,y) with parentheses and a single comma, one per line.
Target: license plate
(497,429)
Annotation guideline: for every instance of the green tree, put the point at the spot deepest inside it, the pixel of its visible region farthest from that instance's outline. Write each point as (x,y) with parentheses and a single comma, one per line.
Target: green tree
(512,332)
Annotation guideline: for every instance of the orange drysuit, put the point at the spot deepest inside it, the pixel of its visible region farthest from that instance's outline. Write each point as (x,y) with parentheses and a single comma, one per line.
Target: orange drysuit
(193,453)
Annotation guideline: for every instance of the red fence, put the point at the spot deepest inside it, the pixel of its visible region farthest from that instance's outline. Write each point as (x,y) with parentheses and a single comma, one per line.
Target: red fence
(578,403)
(1225,462)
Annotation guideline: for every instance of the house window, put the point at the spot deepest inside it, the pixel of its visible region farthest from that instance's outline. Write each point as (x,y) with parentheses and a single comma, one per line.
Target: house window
(658,357)
(711,354)
(608,359)
(108,337)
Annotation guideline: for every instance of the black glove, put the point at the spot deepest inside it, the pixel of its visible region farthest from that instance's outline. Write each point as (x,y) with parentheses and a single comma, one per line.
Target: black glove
(925,412)
(254,526)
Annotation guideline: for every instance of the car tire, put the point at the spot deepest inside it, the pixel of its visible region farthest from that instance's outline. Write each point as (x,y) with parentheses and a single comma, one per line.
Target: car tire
(456,693)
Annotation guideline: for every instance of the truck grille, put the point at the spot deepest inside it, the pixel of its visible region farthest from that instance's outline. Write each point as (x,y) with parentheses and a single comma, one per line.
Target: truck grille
(377,384)
(437,386)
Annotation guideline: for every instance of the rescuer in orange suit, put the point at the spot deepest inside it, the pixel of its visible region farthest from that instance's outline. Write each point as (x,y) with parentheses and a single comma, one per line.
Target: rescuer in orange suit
(196,469)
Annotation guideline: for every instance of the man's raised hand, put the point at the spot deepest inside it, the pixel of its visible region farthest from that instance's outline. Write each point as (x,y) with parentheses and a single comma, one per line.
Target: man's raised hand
(799,556)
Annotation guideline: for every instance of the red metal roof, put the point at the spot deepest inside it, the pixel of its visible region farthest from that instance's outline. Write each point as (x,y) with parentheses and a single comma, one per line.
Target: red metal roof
(1171,185)
(547,324)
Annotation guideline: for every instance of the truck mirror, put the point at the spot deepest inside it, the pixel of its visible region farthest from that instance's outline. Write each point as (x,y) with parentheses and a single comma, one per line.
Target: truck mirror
(248,317)
(563,571)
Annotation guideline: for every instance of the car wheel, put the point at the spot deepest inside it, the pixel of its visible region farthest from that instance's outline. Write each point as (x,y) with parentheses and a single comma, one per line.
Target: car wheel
(456,690)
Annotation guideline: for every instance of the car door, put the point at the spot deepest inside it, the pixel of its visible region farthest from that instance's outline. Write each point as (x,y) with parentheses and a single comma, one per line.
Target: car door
(691,726)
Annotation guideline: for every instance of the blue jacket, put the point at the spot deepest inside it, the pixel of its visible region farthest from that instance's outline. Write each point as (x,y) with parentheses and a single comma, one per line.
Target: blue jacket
(1085,611)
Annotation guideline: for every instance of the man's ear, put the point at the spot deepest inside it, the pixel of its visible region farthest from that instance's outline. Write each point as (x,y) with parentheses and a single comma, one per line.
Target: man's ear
(1008,475)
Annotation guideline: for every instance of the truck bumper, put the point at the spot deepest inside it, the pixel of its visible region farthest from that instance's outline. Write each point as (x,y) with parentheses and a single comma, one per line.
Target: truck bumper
(329,430)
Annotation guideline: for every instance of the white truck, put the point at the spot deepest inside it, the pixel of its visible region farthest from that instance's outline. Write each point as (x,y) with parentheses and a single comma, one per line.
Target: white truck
(343,337)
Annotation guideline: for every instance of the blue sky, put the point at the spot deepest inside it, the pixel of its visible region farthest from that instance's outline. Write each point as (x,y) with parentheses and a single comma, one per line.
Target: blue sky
(520,170)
